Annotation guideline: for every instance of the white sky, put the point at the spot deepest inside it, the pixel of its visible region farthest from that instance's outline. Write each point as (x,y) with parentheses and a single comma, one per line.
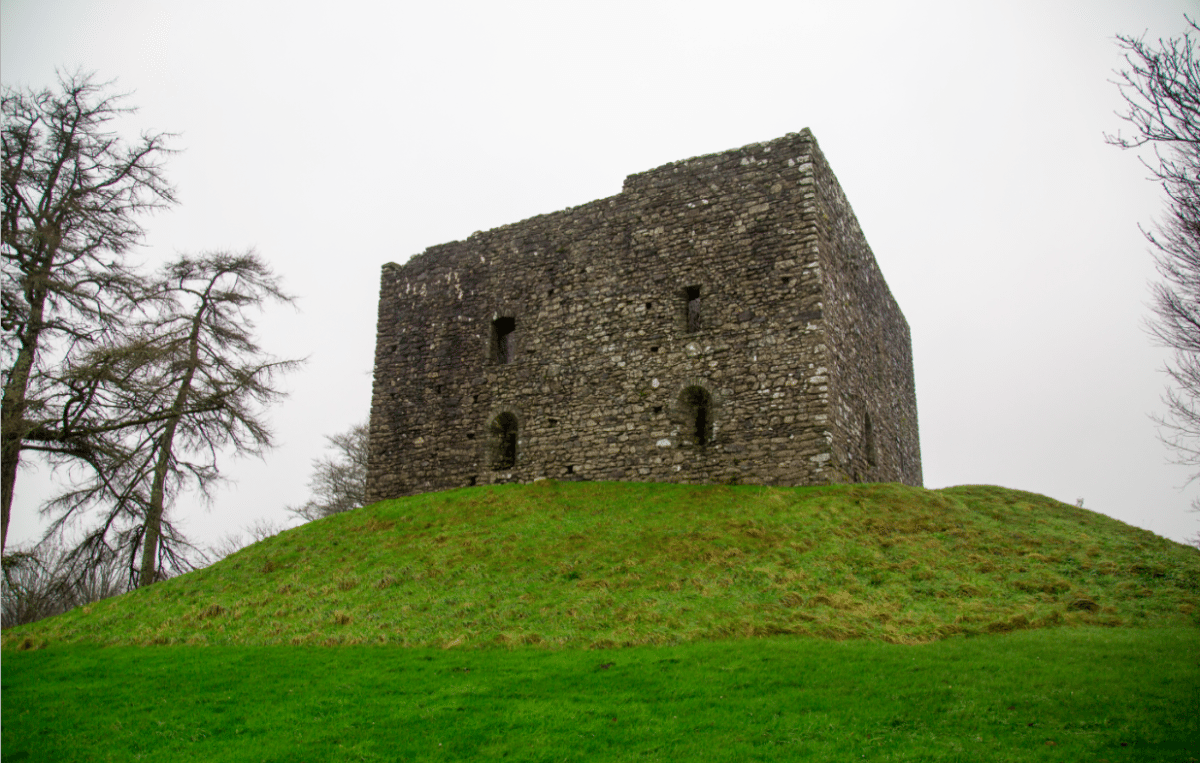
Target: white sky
(968,138)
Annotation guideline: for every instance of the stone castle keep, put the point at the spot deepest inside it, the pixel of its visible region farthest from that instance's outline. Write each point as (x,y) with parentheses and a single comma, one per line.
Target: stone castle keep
(721,319)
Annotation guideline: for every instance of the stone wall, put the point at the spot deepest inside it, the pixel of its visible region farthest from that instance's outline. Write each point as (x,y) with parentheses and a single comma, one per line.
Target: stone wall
(873,393)
(721,319)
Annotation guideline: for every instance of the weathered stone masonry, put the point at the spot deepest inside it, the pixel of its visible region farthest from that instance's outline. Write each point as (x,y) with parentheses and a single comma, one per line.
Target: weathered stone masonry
(721,319)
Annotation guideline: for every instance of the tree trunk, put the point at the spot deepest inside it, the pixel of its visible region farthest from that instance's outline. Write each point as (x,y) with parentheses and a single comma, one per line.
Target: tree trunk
(154,511)
(12,415)
(10,458)
(162,465)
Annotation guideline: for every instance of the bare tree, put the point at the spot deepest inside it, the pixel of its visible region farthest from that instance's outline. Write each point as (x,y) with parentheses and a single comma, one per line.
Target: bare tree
(339,482)
(1161,87)
(213,356)
(45,581)
(199,379)
(111,398)
(72,194)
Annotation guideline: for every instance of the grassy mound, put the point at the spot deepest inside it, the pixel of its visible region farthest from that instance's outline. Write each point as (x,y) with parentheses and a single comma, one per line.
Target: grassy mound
(620,564)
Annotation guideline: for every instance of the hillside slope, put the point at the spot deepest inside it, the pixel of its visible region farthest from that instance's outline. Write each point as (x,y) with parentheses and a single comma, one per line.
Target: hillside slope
(604,564)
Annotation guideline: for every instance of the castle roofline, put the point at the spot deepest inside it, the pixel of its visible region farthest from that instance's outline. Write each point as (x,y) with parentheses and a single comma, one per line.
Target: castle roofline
(713,163)
(658,177)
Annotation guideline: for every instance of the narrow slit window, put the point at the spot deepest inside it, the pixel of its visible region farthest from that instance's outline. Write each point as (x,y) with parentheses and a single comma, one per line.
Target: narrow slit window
(692,295)
(503,344)
(869,440)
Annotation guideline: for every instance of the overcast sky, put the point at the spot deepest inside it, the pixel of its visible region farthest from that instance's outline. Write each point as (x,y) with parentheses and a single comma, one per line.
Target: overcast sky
(969,138)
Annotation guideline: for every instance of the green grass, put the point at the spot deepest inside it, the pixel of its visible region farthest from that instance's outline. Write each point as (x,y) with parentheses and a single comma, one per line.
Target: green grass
(626,621)
(1084,694)
(569,565)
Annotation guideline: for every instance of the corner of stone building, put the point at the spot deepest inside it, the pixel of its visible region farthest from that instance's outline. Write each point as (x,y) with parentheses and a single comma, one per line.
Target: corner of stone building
(447,298)
(872,389)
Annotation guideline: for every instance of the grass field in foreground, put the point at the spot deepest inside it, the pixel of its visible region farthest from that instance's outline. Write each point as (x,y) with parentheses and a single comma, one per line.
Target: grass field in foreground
(1065,694)
(566,565)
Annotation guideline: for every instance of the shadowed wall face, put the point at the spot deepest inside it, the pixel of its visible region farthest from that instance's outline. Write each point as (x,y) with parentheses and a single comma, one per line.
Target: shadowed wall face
(721,319)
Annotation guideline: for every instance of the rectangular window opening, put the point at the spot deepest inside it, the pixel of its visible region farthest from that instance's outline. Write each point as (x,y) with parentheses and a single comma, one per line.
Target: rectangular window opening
(503,346)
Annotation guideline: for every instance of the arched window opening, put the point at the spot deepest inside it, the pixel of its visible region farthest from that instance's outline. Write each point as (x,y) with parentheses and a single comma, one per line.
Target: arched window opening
(696,404)
(504,441)
(503,344)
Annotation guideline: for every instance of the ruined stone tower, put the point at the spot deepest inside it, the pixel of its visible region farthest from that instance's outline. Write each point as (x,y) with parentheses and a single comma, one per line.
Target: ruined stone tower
(721,319)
